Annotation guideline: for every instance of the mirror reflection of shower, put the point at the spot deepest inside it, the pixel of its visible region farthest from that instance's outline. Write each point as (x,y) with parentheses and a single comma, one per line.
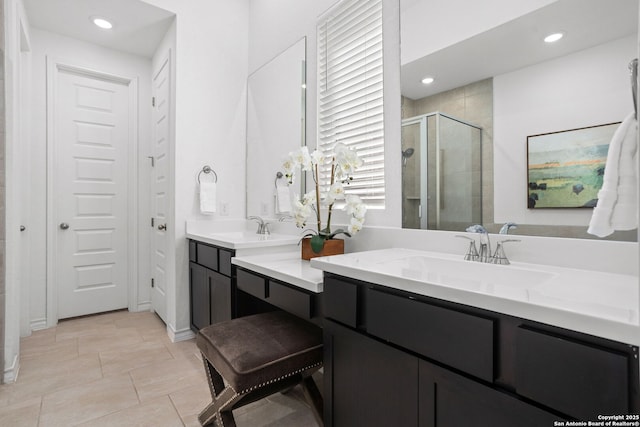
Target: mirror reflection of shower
(442,187)
(406,154)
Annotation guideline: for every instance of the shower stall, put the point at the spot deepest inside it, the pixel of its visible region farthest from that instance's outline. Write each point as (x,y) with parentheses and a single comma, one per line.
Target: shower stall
(441,173)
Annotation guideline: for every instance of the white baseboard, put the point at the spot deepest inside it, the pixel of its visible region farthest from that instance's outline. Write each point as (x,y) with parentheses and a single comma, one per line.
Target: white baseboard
(181,335)
(142,306)
(11,372)
(38,324)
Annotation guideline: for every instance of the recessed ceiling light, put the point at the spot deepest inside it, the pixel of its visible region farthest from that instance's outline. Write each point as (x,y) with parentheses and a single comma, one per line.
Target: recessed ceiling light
(427,80)
(553,37)
(101,22)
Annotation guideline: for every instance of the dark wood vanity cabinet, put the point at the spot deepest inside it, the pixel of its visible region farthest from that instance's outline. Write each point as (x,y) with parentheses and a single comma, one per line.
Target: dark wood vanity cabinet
(210,284)
(396,358)
(372,384)
(258,293)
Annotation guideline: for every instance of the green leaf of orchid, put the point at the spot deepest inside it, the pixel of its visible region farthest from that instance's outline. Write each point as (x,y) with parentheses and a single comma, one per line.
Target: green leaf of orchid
(338,231)
(317,243)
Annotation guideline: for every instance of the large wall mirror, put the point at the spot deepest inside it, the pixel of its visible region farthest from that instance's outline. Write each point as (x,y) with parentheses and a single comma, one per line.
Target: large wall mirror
(275,126)
(495,82)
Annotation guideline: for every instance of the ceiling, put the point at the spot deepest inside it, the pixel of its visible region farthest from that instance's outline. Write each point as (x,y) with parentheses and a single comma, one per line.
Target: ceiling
(518,44)
(138,27)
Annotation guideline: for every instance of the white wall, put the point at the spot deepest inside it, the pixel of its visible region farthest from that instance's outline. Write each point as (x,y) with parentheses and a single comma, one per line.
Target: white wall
(46,44)
(553,96)
(211,75)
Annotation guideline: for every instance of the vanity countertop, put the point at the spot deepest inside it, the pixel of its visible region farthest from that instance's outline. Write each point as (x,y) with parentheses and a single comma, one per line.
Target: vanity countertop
(239,235)
(596,303)
(284,266)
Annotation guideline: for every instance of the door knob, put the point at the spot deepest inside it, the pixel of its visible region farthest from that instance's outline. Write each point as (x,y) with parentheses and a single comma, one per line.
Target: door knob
(64,225)
(162,227)
(22,228)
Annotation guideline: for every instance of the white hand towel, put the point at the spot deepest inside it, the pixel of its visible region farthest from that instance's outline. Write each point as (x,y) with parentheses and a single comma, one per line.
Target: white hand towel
(617,207)
(283,199)
(208,197)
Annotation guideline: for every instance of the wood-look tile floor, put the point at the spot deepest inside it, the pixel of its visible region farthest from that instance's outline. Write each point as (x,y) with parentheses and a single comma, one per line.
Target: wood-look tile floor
(121,369)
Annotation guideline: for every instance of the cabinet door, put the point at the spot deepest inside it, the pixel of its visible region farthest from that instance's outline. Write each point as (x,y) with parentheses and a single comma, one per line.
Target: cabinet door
(451,400)
(220,297)
(367,383)
(199,296)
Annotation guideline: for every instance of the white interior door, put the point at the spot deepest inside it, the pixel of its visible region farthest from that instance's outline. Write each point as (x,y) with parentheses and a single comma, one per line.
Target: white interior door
(160,187)
(91,140)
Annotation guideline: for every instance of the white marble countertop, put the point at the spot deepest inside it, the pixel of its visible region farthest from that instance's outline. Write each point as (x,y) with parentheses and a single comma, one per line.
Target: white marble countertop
(596,303)
(239,235)
(287,267)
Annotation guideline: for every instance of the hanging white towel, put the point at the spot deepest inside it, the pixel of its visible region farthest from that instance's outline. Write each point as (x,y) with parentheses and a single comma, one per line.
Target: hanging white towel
(283,199)
(617,207)
(208,197)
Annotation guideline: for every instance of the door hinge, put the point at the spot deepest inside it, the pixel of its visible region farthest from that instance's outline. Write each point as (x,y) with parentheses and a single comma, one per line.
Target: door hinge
(153,282)
(153,222)
(153,101)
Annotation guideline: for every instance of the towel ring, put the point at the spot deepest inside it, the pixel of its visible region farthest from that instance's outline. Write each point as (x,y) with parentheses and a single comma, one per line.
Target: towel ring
(278,176)
(207,169)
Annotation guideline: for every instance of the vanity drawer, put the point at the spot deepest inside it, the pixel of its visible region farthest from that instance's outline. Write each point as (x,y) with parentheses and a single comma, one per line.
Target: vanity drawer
(340,301)
(252,284)
(291,300)
(207,256)
(224,258)
(460,340)
(578,379)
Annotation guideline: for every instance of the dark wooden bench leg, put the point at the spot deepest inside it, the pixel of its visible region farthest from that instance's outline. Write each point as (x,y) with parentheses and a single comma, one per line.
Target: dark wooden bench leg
(218,412)
(313,396)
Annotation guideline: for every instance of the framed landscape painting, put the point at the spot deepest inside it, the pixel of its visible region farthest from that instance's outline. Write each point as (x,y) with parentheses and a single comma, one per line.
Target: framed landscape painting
(565,169)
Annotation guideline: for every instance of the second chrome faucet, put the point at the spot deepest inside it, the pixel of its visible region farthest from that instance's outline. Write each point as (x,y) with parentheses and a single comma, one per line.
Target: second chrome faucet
(263,226)
(485,254)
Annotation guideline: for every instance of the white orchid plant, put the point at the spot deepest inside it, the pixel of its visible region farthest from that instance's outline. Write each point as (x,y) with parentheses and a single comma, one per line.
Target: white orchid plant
(343,163)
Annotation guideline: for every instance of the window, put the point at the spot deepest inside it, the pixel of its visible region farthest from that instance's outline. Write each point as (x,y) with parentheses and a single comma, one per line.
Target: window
(350,93)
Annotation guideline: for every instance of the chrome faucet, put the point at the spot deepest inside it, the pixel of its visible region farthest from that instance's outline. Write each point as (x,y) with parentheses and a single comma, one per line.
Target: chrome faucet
(507,226)
(472,252)
(500,257)
(263,226)
(485,254)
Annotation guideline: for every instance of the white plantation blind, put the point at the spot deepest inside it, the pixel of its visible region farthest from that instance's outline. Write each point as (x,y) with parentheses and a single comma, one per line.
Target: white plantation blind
(350,86)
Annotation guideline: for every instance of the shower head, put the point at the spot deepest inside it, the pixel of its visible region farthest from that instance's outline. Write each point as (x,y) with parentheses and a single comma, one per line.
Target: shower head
(408,152)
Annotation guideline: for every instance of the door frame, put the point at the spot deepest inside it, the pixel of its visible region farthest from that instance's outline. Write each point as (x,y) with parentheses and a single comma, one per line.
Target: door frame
(54,66)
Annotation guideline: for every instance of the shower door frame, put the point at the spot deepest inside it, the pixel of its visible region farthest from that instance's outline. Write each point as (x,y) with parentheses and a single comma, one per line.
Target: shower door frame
(424,194)
(422,208)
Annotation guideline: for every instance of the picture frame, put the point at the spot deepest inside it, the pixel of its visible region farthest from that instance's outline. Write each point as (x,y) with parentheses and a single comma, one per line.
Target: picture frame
(565,169)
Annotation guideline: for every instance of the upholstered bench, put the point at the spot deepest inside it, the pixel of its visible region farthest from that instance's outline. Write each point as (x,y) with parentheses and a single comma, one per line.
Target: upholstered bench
(257,356)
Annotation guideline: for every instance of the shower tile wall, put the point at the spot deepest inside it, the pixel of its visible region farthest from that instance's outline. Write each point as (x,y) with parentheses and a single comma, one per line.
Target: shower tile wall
(472,103)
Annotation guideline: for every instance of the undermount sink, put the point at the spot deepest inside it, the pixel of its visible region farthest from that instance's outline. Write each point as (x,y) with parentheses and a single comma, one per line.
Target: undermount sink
(466,274)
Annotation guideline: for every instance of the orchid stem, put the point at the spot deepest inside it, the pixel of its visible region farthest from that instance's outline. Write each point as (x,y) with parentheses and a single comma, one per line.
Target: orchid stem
(317,199)
(333,166)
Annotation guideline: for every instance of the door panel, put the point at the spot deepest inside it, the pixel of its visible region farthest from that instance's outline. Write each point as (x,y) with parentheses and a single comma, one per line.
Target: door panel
(160,187)
(90,193)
